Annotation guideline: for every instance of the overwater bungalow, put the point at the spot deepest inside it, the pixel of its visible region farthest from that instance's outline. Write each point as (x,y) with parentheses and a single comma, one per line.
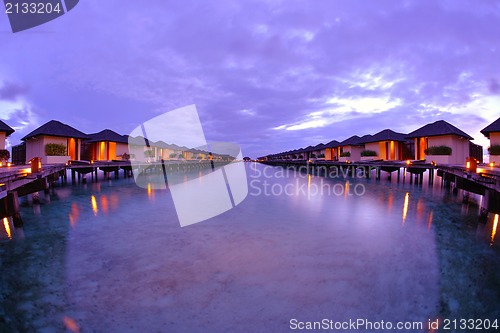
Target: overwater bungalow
(5,131)
(492,132)
(139,150)
(291,154)
(442,143)
(350,149)
(385,145)
(54,142)
(161,150)
(197,154)
(176,152)
(296,154)
(331,150)
(305,153)
(105,145)
(318,151)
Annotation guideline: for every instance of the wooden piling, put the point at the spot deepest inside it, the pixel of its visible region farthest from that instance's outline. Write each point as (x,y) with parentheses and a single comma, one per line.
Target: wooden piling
(466,197)
(35,198)
(14,211)
(483,209)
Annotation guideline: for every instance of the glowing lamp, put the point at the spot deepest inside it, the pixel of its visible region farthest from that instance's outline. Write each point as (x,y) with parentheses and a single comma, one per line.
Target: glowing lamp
(408,162)
(492,164)
(8,164)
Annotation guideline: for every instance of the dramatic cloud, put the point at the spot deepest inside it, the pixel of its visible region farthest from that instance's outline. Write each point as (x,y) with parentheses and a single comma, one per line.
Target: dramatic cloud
(268,75)
(10,91)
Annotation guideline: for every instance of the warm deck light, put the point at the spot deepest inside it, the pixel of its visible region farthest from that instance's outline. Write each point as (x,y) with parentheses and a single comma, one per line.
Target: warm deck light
(8,164)
(0,164)
(6,226)
(408,162)
(492,164)
(471,164)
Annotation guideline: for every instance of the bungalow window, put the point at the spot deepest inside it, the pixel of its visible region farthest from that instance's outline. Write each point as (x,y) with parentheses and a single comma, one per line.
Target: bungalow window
(72,148)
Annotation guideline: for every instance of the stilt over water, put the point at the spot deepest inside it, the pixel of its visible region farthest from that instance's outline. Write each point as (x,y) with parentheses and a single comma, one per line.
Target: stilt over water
(485,183)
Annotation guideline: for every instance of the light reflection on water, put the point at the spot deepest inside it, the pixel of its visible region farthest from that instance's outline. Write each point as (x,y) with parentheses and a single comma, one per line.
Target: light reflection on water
(405,206)
(74,214)
(494,229)
(93,202)
(6,225)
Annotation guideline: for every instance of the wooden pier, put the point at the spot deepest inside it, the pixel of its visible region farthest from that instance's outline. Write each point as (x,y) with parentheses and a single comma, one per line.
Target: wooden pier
(18,181)
(484,180)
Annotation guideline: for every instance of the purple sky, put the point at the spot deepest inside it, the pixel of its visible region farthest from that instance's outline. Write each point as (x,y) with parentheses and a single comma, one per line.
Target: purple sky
(268,75)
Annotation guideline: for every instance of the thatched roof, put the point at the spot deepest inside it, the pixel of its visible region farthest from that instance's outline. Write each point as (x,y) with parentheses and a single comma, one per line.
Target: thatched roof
(56,128)
(319,146)
(493,127)
(438,128)
(385,135)
(107,135)
(6,128)
(352,141)
(332,144)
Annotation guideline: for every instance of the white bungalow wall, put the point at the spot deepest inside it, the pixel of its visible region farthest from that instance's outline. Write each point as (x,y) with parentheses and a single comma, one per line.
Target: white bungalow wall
(391,154)
(495,140)
(36,147)
(355,152)
(459,146)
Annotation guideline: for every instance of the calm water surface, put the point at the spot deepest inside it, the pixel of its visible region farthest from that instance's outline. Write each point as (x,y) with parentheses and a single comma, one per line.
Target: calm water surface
(111,257)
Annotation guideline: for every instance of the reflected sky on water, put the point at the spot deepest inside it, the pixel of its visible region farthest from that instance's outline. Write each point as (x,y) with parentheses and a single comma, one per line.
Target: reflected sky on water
(110,256)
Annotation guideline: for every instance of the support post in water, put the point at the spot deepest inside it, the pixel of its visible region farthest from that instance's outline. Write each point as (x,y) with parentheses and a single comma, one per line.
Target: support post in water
(13,203)
(211,160)
(483,210)
(36,198)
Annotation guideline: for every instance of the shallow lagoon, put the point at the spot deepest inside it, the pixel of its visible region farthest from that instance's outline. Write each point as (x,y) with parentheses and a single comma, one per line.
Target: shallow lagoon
(111,257)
